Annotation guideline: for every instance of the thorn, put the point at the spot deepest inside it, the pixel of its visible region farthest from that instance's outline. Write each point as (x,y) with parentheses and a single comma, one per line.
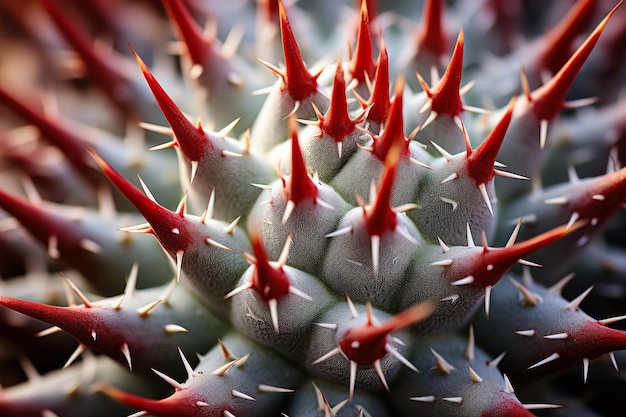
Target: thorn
(424,399)
(296,78)
(442,245)
(126,352)
(335,351)
(456,400)
(145,310)
(442,365)
(585,369)
(225,352)
(507,385)
(463,281)
(221,371)
(79,351)
(487,300)
(177,385)
(494,363)
(548,99)
(515,233)
(541,406)
(575,303)
(362,65)
(557,336)
(377,107)
(482,160)
(528,298)
(230,229)
(49,331)
(77,291)
(353,368)
(475,377)
(239,394)
(272,389)
(174,328)
(189,138)
(485,195)
(470,238)
(448,156)
(131,283)
(443,262)
(549,359)
(445,96)
(453,203)
(471,345)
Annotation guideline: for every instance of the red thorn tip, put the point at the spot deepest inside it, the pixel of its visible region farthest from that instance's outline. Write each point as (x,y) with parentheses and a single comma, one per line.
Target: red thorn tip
(170,228)
(191,139)
(336,123)
(362,63)
(493,263)
(612,187)
(271,283)
(480,162)
(367,344)
(297,79)
(380,216)
(393,133)
(558,42)
(298,186)
(181,403)
(432,36)
(102,69)
(53,131)
(548,99)
(596,339)
(42,223)
(446,96)
(379,102)
(80,322)
(197,45)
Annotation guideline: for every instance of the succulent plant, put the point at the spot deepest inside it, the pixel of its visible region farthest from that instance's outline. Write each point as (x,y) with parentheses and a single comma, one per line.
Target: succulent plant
(235,214)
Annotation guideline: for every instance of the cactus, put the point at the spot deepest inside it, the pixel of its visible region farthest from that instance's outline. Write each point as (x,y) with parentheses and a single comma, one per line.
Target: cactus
(221,210)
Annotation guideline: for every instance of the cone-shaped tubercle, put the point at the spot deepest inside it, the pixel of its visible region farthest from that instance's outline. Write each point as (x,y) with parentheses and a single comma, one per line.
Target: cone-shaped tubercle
(54,131)
(380,217)
(368,343)
(296,78)
(102,69)
(493,263)
(183,403)
(336,123)
(481,161)
(556,44)
(170,228)
(379,103)
(446,96)
(269,281)
(431,36)
(201,50)
(43,224)
(362,65)
(298,186)
(191,140)
(393,132)
(547,100)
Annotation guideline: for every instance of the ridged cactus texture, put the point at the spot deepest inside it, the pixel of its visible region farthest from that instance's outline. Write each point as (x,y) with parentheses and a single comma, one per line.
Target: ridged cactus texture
(321,208)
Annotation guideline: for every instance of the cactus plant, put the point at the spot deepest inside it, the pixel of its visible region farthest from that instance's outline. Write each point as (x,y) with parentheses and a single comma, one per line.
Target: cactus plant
(221,210)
